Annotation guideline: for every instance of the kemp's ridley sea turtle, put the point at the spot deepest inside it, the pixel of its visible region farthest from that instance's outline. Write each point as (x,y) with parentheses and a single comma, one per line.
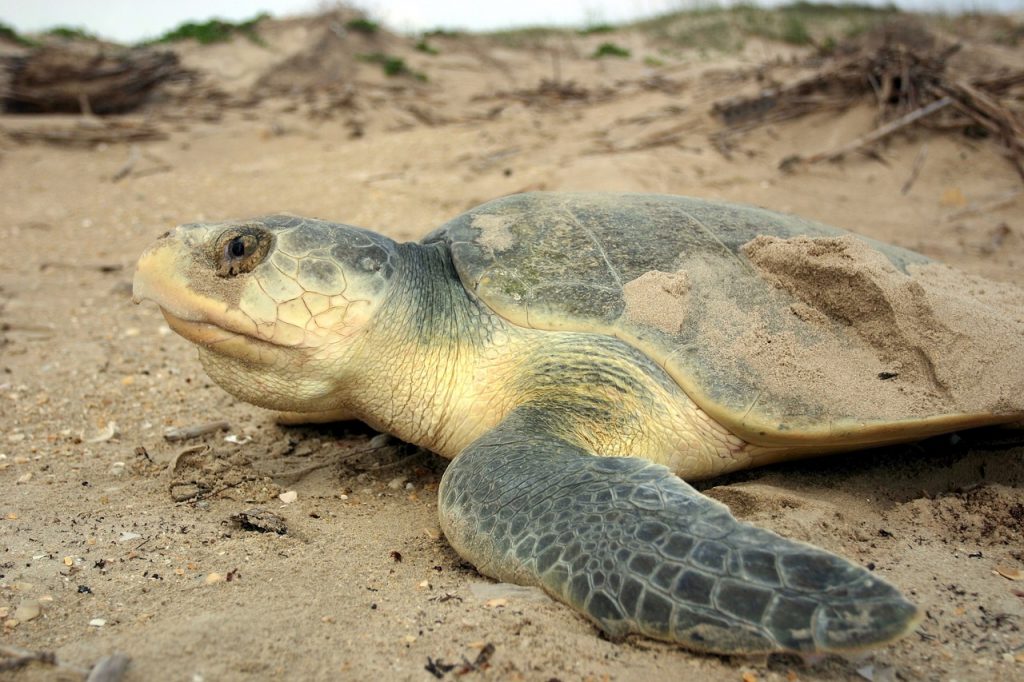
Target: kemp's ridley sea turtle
(573,353)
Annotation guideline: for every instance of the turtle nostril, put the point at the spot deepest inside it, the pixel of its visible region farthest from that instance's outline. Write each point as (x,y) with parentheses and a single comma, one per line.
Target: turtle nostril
(165,235)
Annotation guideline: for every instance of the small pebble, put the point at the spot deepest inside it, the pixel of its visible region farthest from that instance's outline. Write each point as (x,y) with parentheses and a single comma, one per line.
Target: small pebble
(28,610)
(214,578)
(397,483)
(379,441)
(288,496)
(109,432)
(97,622)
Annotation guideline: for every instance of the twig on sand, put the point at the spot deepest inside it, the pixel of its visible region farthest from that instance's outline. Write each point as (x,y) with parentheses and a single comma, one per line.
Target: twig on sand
(126,169)
(881,132)
(160,165)
(916,169)
(190,432)
(985,206)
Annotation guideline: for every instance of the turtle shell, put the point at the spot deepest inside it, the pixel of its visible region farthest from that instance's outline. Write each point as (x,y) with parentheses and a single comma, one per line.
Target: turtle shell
(786,331)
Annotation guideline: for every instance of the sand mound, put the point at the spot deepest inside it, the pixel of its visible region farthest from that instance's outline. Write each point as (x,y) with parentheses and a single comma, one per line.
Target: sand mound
(934,331)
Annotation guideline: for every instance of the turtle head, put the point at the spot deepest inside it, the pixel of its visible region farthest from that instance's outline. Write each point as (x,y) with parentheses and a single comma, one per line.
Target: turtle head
(275,304)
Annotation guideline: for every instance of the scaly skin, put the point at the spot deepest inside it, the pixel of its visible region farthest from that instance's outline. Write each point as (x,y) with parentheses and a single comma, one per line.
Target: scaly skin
(639,551)
(335,322)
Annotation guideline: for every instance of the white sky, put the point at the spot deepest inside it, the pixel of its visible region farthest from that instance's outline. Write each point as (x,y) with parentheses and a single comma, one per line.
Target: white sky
(133,20)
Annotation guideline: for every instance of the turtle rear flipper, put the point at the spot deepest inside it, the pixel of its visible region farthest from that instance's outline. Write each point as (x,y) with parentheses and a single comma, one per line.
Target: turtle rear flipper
(636,549)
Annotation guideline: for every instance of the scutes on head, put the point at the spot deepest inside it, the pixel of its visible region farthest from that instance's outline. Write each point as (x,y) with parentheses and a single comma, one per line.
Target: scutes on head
(275,304)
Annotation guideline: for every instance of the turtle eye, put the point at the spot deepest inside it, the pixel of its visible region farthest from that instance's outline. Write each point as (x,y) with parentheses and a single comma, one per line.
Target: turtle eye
(237,247)
(241,250)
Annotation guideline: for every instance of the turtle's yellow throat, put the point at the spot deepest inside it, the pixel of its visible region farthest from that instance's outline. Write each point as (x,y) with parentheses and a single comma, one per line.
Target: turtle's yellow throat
(437,368)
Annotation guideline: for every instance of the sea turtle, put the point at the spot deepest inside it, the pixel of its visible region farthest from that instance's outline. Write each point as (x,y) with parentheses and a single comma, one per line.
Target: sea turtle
(573,353)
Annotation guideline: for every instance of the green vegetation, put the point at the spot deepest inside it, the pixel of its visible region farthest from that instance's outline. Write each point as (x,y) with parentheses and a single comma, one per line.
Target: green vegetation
(426,48)
(794,31)
(363,25)
(596,29)
(8,33)
(393,66)
(610,50)
(840,9)
(69,33)
(442,33)
(1011,36)
(526,37)
(214,31)
(1006,30)
(726,29)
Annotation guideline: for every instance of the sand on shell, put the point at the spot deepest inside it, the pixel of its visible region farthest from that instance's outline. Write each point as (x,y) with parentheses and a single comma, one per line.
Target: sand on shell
(947,342)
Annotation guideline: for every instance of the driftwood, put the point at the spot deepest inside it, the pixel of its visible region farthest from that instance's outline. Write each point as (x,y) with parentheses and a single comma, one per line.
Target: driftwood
(83,77)
(85,131)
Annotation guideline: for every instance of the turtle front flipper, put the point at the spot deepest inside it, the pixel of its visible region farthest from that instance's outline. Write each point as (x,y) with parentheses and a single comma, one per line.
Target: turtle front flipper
(637,550)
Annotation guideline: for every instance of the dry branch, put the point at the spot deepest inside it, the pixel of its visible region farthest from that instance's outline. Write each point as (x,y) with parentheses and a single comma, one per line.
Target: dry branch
(915,171)
(879,133)
(82,132)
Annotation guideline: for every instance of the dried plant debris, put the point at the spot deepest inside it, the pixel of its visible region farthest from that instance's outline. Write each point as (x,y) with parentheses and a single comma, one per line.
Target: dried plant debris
(552,91)
(905,71)
(260,521)
(86,132)
(195,431)
(84,77)
(438,668)
(199,472)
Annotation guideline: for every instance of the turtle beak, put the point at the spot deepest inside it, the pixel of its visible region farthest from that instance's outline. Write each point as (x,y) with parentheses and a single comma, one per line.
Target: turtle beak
(155,264)
(159,278)
(160,273)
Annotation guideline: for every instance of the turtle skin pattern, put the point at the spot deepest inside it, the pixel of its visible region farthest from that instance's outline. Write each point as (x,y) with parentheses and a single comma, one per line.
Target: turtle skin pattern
(638,550)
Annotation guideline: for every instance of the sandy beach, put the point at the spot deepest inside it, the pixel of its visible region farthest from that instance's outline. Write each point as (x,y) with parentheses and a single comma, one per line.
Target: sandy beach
(115,539)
